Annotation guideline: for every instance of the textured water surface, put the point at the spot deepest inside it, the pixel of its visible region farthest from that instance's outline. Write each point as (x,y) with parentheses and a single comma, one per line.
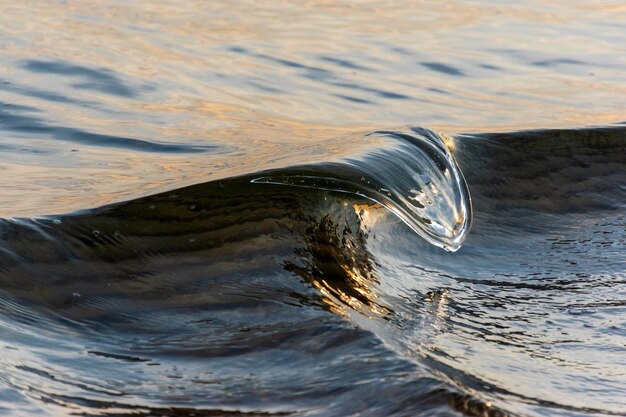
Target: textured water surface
(312,209)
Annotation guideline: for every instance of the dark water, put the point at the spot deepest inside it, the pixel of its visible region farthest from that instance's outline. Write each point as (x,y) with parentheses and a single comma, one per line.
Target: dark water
(210,209)
(242,295)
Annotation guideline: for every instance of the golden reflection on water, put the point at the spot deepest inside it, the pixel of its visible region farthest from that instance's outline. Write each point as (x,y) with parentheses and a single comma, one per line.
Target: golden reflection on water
(337,262)
(274,79)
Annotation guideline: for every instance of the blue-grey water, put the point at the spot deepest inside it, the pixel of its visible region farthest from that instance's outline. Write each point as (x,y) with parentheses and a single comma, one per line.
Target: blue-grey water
(312,208)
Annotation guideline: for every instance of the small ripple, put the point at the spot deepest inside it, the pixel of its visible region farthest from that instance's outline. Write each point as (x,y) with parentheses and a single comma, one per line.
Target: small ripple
(443,68)
(557,62)
(31,125)
(345,63)
(102,80)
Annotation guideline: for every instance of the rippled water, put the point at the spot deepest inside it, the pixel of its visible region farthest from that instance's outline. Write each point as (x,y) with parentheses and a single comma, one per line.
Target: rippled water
(312,209)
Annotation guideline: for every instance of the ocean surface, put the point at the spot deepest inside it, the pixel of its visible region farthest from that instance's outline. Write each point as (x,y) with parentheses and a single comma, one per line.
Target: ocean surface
(312,208)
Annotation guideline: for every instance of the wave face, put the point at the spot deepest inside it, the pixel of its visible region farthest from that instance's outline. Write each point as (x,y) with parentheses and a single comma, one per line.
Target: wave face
(323,289)
(418,180)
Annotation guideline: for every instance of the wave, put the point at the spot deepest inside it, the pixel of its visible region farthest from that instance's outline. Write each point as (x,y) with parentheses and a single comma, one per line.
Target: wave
(295,290)
(418,181)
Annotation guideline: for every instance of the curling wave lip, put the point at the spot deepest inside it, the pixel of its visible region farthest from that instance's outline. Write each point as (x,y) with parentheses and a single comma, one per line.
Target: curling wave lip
(417,179)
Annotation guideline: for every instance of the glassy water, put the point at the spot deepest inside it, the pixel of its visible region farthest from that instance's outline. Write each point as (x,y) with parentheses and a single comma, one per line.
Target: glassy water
(312,208)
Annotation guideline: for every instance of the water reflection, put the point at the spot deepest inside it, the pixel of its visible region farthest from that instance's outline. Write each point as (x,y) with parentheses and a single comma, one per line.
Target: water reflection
(339,265)
(236,298)
(250,77)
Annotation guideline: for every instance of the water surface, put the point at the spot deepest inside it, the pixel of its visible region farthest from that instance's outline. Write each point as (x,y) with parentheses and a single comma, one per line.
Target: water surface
(312,209)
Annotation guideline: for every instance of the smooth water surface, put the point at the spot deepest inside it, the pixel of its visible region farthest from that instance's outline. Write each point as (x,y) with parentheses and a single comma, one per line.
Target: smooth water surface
(312,208)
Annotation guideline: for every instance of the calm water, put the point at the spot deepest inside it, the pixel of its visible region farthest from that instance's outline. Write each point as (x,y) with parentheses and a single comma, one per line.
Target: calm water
(312,209)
